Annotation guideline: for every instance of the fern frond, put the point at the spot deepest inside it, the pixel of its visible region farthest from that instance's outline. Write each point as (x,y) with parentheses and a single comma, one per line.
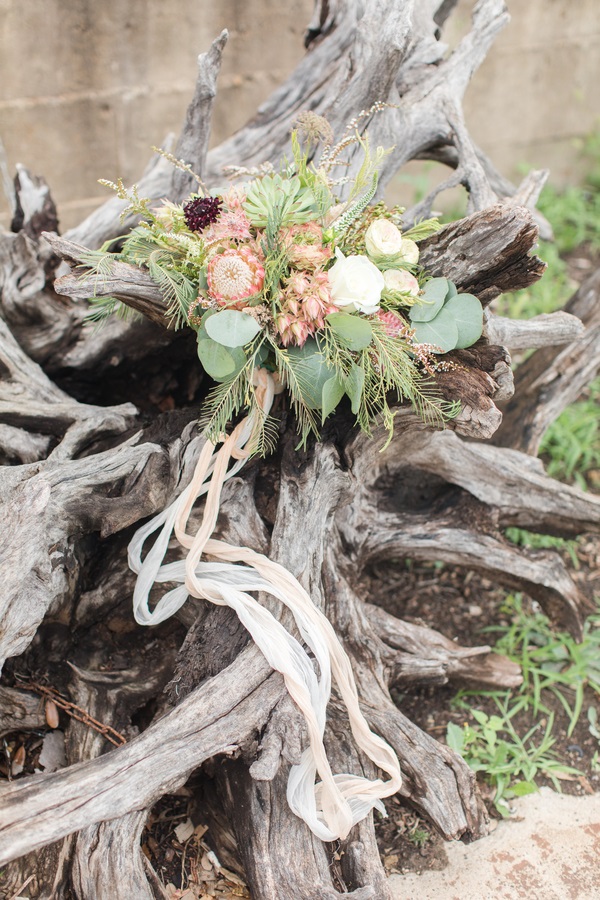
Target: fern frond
(290,373)
(97,262)
(102,308)
(178,290)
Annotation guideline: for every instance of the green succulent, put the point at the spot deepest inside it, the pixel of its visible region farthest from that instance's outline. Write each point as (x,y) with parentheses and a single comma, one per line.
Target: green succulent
(295,203)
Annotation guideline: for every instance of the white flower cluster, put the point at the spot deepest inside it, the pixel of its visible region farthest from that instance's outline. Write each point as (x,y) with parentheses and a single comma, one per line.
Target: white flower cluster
(357,282)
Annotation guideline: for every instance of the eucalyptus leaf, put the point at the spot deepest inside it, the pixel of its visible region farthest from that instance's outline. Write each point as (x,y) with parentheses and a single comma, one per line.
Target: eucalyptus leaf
(441,331)
(311,371)
(355,332)
(430,300)
(232,328)
(333,391)
(467,313)
(239,358)
(354,384)
(216,360)
(261,353)
(452,291)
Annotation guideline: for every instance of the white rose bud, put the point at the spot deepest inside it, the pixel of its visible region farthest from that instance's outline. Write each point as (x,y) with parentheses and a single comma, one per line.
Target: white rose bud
(383,239)
(409,252)
(354,281)
(401,280)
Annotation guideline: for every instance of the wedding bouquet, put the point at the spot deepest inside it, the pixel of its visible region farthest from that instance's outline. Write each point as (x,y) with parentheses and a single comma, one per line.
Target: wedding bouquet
(290,291)
(275,273)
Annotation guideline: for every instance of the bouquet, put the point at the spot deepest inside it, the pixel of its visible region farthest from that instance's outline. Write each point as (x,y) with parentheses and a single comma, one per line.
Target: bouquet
(329,297)
(290,291)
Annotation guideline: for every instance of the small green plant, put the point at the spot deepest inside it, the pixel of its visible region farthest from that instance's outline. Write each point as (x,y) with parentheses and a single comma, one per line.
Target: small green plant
(552,663)
(418,836)
(594,726)
(523,538)
(509,762)
(550,660)
(572,443)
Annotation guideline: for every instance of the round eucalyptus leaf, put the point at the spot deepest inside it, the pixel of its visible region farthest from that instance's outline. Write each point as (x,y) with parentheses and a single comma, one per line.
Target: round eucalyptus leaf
(467,313)
(430,301)
(239,358)
(452,291)
(354,331)
(441,331)
(216,360)
(311,372)
(232,328)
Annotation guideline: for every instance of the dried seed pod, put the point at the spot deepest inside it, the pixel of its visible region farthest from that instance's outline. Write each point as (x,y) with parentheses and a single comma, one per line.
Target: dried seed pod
(51,714)
(18,761)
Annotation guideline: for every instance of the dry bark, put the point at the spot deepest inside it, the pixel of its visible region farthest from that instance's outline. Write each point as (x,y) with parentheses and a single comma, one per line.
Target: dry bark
(82,474)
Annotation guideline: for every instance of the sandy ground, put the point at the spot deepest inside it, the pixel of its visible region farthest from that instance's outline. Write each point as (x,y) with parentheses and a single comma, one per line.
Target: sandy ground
(549,850)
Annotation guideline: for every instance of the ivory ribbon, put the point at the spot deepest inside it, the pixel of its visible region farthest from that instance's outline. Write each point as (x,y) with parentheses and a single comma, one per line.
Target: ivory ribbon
(337,802)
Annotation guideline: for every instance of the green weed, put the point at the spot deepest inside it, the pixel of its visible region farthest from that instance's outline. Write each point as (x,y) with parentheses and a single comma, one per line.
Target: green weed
(552,664)
(418,836)
(572,443)
(523,538)
(510,763)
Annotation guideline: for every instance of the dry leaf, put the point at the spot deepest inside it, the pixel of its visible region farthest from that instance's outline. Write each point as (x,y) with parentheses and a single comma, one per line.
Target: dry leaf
(184,831)
(18,761)
(52,756)
(206,863)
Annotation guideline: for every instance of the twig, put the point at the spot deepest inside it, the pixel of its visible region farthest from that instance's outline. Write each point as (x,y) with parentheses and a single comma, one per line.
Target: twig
(21,887)
(115,737)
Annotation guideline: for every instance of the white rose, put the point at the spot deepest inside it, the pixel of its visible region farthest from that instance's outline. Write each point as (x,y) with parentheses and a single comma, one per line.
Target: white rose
(401,280)
(409,252)
(383,239)
(355,281)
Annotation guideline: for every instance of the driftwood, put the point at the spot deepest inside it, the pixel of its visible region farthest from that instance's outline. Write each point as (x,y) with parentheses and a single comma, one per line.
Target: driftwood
(85,464)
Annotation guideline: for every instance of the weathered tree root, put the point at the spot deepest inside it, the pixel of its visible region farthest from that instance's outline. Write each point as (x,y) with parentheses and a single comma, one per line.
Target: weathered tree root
(81,474)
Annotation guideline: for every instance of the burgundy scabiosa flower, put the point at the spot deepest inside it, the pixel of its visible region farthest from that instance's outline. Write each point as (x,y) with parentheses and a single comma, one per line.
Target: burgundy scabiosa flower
(202,212)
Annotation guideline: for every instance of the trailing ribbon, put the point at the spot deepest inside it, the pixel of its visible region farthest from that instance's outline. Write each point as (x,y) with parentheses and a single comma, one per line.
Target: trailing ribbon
(337,802)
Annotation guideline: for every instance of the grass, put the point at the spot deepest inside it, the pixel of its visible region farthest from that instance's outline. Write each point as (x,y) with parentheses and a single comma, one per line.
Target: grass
(556,669)
(554,666)
(571,446)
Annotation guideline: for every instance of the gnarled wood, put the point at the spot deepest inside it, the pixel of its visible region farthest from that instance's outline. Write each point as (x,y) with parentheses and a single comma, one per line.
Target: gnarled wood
(549,380)
(86,472)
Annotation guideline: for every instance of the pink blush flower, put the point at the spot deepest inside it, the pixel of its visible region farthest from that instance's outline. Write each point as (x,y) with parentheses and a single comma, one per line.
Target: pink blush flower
(304,246)
(233,276)
(305,302)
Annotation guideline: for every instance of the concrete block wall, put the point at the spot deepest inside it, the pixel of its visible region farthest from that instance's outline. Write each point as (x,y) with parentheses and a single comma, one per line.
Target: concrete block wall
(87,87)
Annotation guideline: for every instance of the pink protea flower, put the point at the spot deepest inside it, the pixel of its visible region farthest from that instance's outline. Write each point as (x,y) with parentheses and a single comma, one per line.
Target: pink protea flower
(304,246)
(305,301)
(233,276)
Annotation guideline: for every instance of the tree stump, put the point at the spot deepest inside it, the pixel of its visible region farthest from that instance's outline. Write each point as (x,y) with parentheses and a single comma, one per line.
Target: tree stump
(84,464)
